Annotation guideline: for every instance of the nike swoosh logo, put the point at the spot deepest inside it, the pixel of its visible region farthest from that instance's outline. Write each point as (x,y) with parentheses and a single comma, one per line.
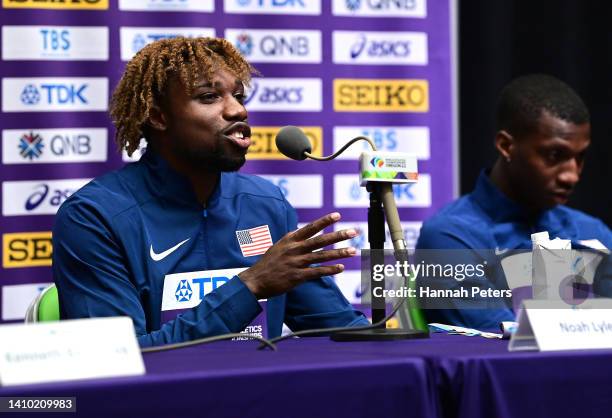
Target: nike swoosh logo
(500,252)
(162,255)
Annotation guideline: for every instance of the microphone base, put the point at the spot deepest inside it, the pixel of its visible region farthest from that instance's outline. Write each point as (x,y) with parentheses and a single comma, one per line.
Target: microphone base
(379,334)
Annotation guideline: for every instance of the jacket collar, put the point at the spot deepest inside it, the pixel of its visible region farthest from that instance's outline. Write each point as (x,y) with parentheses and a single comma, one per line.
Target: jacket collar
(166,183)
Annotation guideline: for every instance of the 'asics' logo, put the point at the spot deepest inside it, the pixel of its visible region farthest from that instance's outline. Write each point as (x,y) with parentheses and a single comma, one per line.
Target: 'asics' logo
(162,255)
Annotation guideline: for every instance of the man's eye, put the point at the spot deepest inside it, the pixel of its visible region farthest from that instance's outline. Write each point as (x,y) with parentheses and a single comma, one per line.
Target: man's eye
(241,97)
(207,97)
(553,156)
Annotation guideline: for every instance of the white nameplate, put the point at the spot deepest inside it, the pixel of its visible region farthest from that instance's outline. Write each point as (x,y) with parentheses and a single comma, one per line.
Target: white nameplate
(549,325)
(69,350)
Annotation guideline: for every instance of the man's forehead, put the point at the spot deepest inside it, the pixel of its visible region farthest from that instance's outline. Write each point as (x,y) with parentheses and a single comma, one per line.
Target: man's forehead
(552,126)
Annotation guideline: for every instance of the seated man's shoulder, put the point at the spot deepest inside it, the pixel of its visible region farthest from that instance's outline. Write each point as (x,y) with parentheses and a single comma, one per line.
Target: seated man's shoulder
(585,226)
(459,224)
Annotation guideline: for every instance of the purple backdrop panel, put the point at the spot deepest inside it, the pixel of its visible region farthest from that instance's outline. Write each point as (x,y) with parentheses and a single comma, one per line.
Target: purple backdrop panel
(337,68)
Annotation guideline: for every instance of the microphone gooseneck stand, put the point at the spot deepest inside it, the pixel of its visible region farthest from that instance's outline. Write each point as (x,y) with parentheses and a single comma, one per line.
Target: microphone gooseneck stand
(376,238)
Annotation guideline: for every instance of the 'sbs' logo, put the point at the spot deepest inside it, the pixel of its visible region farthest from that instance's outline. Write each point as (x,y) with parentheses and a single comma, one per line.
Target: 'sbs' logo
(30,95)
(31,146)
(244,43)
(183,291)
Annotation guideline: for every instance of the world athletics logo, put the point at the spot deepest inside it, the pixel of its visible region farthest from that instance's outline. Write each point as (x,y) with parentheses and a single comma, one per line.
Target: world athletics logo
(31,145)
(244,43)
(183,291)
(377,162)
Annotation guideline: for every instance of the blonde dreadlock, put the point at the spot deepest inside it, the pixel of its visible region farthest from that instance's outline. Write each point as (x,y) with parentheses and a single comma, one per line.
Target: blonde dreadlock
(146,77)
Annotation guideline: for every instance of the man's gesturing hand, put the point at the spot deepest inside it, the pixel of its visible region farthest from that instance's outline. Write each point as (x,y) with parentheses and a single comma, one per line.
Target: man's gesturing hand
(286,264)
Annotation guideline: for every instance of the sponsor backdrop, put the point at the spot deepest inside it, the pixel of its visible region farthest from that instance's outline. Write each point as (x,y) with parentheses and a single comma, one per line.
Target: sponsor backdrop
(338,69)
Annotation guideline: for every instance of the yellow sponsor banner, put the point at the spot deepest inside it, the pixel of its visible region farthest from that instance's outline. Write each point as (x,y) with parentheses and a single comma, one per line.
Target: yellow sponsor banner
(263,144)
(56,4)
(26,249)
(376,95)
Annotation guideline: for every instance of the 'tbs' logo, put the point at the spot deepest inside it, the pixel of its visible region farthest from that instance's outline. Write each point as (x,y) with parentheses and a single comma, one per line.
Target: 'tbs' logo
(183,291)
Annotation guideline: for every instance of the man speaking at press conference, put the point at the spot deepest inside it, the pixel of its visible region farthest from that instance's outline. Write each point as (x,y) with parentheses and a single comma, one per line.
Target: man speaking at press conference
(137,241)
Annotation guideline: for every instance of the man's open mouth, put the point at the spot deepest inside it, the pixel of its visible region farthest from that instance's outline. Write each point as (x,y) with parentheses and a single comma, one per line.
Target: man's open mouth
(239,133)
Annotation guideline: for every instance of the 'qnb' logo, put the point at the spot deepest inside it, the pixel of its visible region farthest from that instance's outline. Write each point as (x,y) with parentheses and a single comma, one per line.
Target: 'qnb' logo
(277,46)
(380,48)
(377,162)
(30,95)
(183,291)
(244,43)
(31,145)
(353,4)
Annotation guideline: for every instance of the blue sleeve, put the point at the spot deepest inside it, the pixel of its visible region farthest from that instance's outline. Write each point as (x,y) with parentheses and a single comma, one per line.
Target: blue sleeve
(444,245)
(602,285)
(318,303)
(93,280)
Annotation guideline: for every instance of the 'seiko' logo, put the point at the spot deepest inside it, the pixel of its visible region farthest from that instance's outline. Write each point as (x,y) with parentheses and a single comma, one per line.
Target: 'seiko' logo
(56,4)
(263,142)
(365,95)
(31,146)
(26,249)
(377,162)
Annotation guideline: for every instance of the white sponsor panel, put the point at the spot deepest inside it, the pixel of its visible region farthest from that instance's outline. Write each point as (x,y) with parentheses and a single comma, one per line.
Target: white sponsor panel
(380,8)
(349,283)
(168,5)
(348,193)
(136,155)
(285,7)
(17,298)
(412,140)
(54,94)
(39,197)
(411,234)
(133,39)
(36,146)
(293,186)
(373,48)
(285,95)
(277,45)
(55,43)
(186,290)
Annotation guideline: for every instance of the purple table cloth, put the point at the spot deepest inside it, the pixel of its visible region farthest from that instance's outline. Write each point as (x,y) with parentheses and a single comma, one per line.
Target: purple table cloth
(445,376)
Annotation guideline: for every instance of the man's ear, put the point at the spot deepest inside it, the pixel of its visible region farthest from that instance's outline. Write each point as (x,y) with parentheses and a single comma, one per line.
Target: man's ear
(504,142)
(157,119)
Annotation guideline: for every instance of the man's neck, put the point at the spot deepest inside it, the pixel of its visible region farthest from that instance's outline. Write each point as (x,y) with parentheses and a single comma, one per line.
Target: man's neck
(203,182)
(501,178)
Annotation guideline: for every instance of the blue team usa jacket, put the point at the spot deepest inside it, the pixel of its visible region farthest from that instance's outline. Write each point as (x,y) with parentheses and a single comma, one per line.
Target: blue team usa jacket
(136,242)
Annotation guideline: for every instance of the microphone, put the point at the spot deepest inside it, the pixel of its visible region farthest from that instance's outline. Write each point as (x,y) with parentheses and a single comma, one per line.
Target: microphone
(293,143)
(378,172)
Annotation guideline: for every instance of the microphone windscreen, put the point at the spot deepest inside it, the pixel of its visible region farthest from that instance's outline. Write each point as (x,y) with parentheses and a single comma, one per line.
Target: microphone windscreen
(293,142)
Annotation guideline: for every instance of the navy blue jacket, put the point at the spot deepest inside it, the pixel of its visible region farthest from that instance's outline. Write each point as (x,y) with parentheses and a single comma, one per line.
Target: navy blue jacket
(108,235)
